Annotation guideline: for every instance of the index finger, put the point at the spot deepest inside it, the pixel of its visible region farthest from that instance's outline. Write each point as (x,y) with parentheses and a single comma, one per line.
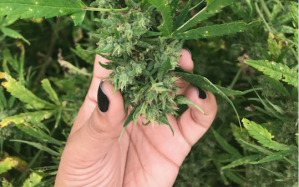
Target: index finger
(90,101)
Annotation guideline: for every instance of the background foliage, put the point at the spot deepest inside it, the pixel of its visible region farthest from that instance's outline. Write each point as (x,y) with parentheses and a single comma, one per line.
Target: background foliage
(53,74)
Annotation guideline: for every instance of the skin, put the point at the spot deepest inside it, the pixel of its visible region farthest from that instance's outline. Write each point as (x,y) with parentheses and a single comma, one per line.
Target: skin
(146,155)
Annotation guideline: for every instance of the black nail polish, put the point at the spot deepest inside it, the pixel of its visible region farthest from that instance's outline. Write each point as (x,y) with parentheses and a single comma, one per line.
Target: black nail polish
(201,94)
(188,51)
(103,101)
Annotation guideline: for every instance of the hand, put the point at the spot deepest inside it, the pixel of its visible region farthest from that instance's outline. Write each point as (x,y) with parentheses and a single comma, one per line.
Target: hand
(146,155)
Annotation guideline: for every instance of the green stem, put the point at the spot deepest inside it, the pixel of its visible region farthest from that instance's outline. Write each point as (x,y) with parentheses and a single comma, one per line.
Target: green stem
(235,79)
(107,10)
(262,17)
(154,39)
(196,5)
(265,9)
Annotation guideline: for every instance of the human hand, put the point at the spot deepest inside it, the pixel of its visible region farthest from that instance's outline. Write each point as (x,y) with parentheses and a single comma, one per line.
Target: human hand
(146,155)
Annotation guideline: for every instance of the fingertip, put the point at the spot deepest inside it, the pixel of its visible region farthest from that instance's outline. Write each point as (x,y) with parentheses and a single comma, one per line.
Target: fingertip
(185,61)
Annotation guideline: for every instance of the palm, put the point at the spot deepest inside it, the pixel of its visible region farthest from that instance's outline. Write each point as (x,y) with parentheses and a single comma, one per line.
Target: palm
(154,155)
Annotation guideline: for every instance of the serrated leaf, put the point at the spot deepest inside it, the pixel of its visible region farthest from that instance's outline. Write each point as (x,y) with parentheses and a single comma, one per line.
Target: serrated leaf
(278,86)
(78,17)
(39,146)
(215,30)
(202,82)
(275,70)
(48,88)
(227,147)
(20,92)
(33,180)
(9,20)
(241,161)
(40,8)
(14,34)
(6,164)
(275,156)
(162,6)
(212,8)
(180,19)
(180,99)
(26,117)
(37,133)
(259,148)
(242,134)
(262,135)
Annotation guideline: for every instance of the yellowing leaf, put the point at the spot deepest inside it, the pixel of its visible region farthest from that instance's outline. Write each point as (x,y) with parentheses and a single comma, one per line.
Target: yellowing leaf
(23,117)
(52,94)
(19,91)
(6,164)
(33,180)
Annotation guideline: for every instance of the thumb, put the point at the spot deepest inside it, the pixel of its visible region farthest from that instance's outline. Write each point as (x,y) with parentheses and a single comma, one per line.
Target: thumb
(96,137)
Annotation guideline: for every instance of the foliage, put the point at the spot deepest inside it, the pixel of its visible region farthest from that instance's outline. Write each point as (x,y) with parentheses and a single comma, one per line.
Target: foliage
(40,97)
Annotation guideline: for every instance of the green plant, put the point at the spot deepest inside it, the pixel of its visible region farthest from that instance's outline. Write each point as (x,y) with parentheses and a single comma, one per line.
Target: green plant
(150,46)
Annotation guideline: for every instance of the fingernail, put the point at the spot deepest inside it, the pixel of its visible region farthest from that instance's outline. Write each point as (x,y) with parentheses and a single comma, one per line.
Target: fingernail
(201,94)
(103,101)
(188,51)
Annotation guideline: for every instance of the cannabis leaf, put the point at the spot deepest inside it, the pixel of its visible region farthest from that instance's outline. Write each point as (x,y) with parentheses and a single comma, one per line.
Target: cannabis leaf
(48,88)
(40,8)
(14,34)
(26,117)
(230,92)
(78,17)
(276,156)
(39,146)
(164,8)
(20,92)
(212,8)
(275,70)
(183,100)
(227,147)
(180,19)
(241,161)
(215,30)
(33,180)
(262,135)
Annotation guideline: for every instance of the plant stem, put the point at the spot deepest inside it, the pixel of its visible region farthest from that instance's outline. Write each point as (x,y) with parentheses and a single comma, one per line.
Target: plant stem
(196,5)
(235,79)
(265,9)
(154,39)
(107,10)
(261,15)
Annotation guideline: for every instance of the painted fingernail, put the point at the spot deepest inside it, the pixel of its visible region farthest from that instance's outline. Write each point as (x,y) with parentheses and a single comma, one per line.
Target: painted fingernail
(188,51)
(201,94)
(103,101)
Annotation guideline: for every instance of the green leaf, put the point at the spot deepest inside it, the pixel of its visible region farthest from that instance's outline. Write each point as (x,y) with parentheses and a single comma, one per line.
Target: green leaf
(39,146)
(215,30)
(262,135)
(259,148)
(106,66)
(3,102)
(227,147)
(173,6)
(212,8)
(9,20)
(37,133)
(275,70)
(13,34)
(275,156)
(241,161)
(204,83)
(26,117)
(166,27)
(52,94)
(219,166)
(238,9)
(40,8)
(230,92)
(20,92)
(83,54)
(12,61)
(180,19)
(180,99)
(275,11)
(233,177)
(166,66)
(33,180)
(78,17)
(264,52)
(6,164)
(128,120)
(273,45)
(165,121)
(278,86)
